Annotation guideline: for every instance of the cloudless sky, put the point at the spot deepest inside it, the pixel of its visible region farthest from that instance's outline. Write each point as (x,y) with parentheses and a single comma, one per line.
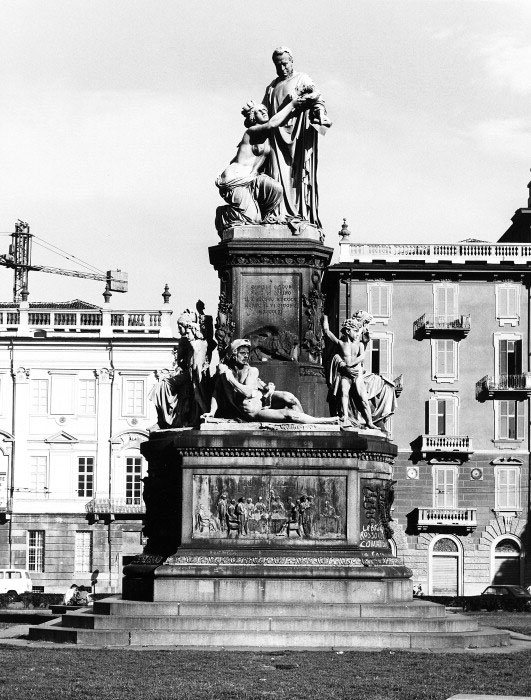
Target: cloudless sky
(116,116)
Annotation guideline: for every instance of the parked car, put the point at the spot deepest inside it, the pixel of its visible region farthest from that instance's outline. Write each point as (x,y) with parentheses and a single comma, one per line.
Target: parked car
(506,597)
(13,582)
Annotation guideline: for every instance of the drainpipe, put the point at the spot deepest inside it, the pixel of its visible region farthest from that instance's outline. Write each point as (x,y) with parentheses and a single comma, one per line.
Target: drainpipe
(12,463)
(111,515)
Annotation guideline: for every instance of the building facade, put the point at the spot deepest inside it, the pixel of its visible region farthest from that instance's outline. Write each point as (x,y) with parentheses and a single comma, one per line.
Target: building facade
(453,320)
(74,408)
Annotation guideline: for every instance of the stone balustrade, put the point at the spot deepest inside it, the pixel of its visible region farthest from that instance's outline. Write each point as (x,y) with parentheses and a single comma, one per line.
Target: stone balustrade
(435,518)
(463,251)
(103,323)
(446,443)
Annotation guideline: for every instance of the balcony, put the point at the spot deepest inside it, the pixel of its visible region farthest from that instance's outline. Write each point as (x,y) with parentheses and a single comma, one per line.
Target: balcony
(460,444)
(425,327)
(508,385)
(442,518)
(460,252)
(56,321)
(110,507)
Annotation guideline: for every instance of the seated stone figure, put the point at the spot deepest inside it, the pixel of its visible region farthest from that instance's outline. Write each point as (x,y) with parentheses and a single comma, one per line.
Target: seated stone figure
(358,396)
(240,394)
(181,397)
(253,197)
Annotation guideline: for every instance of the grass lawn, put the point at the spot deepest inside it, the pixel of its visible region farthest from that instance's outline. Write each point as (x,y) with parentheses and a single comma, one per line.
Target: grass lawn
(193,675)
(514,621)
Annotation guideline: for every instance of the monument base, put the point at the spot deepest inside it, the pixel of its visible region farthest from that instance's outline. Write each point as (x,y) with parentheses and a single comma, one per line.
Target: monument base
(306,564)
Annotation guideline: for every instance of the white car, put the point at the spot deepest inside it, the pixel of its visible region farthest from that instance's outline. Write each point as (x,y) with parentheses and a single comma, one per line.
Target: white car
(14,581)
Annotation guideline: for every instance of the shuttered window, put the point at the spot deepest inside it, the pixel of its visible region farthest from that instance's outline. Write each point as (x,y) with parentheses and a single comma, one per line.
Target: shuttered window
(445,481)
(507,488)
(379,357)
(507,302)
(380,300)
(444,572)
(445,357)
(442,416)
(510,420)
(510,357)
(445,302)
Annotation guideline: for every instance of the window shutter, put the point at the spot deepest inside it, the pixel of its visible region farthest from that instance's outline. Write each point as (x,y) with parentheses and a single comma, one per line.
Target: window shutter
(444,570)
(518,357)
(373,301)
(439,300)
(384,300)
(384,357)
(451,303)
(450,417)
(519,410)
(511,309)
(367,363)
(432,417)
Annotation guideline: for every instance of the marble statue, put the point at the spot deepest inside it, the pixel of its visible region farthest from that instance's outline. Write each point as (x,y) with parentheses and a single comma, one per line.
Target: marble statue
(360,397)
(183,395)
(252,196)
(293,157)
(240,394)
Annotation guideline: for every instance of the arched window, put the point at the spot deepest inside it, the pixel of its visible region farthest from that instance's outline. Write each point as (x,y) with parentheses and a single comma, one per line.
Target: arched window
(506,561)
(445,566)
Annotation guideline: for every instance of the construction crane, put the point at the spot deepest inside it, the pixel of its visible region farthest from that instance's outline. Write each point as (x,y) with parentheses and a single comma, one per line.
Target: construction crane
(19,258)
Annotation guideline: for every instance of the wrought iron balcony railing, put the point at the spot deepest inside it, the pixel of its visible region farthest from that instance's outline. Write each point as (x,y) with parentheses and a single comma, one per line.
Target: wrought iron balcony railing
(437,518)
(446,443)
(425,326)
(115,506)
(489,386)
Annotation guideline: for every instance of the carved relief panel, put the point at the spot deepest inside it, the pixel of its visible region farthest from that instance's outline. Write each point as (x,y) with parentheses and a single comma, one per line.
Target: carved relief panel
(282,510)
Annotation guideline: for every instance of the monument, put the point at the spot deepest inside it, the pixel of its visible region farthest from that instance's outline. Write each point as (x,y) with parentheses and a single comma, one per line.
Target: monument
(269,490)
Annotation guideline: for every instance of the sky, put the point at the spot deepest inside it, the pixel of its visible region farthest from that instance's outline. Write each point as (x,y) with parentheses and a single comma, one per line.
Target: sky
(116,116)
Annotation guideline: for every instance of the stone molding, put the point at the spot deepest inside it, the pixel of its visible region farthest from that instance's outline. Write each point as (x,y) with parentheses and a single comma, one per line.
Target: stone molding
(304,260)
(282,452)
(278,561)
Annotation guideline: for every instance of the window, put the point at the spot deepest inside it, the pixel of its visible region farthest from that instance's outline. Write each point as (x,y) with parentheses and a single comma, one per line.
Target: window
(3,489)
(133,481)
(442,415)
(379,357)
(506,563)
(85,477)
(133,397)
(508,304)
(507,488)
(86,404)
(39,396)
(83,551)
(379,301)
(510,420)
(444,359)
(509,356)
(445,483)
(445,302)
(35,550)
(38,475)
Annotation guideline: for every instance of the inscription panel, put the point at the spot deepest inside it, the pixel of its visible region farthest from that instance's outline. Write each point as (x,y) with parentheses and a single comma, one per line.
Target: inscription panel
(270,300)
(283,509)
(374,514)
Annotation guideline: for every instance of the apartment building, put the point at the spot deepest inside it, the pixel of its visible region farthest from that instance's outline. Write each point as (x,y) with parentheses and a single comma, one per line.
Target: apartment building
(453,319)
(74,408)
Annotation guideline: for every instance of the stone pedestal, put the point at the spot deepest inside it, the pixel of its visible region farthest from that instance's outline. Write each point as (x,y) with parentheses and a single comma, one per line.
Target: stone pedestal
(270,292)
(268,513)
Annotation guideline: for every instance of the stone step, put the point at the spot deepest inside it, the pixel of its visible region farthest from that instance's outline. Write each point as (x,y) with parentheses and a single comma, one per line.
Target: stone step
(288,639)
(455,623)
(414,608)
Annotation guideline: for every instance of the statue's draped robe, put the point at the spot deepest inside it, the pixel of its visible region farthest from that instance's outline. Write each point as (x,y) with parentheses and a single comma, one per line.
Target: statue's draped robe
(293,158)
(380,393)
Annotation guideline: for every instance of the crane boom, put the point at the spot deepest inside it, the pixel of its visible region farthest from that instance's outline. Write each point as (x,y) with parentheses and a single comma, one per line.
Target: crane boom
(19,258)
